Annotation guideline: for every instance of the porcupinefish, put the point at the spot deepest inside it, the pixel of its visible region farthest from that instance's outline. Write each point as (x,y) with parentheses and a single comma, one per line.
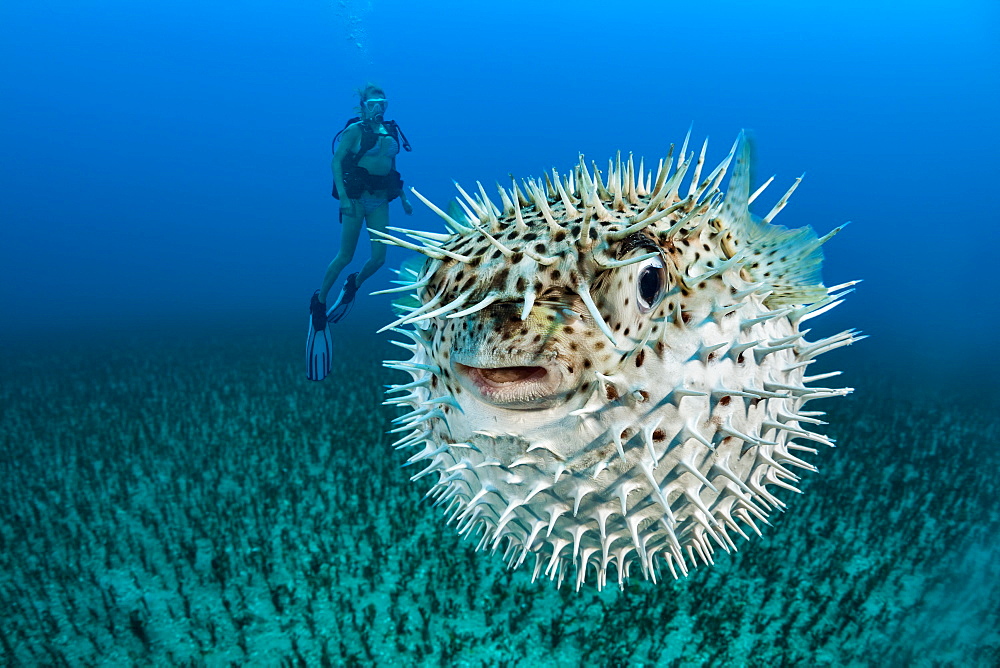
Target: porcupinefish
(607,371)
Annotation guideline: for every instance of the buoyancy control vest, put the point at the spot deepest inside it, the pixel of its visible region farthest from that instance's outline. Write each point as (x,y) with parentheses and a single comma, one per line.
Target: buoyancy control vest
(357,179)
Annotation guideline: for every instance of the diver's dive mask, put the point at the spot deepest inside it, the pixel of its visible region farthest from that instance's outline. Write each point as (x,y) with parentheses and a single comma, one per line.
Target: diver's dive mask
(375,107)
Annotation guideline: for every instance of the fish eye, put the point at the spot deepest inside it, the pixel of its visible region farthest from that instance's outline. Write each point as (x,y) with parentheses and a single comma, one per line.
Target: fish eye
(650,284)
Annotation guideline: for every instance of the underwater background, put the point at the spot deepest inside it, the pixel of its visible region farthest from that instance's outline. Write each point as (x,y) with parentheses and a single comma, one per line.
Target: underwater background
(173,491)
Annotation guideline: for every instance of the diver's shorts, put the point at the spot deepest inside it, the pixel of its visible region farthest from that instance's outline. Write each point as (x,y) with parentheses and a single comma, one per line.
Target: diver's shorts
(369,202)
(372,201)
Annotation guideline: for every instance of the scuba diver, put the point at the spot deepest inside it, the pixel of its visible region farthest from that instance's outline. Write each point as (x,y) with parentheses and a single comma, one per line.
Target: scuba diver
(365,180)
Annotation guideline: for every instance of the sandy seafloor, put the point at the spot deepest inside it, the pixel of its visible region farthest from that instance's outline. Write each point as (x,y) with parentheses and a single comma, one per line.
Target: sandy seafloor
(198,502)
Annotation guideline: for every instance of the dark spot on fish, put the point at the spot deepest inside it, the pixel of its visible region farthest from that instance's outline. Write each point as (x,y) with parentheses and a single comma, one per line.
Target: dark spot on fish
(640,358)
(724,401)
(611,392)
(499,281)
(659,435)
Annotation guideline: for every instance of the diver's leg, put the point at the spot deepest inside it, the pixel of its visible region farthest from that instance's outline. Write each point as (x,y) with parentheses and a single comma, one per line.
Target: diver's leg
(376,220)
(350,230)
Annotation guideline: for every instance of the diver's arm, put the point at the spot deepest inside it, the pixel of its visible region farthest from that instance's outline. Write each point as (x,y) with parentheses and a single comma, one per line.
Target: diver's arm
(347,141)
(407,207)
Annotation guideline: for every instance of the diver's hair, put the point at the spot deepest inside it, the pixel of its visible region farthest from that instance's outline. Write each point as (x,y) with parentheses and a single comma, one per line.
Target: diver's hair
(370,90)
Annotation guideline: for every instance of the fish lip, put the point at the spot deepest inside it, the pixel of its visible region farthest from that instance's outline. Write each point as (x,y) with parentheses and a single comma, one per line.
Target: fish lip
(542,383)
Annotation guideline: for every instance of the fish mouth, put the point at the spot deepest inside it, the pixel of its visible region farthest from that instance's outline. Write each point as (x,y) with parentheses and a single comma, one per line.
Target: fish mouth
(519,387)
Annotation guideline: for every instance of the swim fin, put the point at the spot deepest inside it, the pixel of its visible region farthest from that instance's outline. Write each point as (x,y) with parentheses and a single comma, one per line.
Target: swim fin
(319,343)
(344,302)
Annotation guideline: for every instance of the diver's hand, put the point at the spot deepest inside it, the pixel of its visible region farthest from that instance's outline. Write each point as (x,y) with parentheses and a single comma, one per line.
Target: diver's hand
(407,207)
(350,208)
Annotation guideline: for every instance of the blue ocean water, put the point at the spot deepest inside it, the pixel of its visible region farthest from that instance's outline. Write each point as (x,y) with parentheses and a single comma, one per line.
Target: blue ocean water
(165,176)
(171,161)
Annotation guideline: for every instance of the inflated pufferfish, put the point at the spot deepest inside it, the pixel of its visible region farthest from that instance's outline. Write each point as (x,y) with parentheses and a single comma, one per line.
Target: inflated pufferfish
(606,371)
